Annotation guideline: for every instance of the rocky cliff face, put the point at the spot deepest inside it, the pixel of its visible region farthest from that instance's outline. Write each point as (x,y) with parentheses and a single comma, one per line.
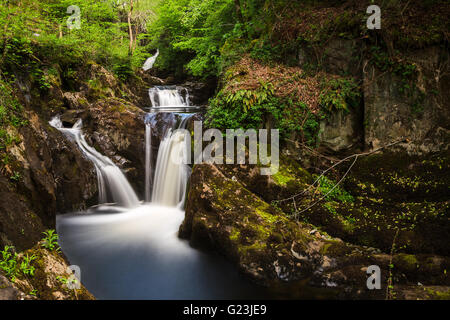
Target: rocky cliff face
(422,114)
(51,175)
(395,105)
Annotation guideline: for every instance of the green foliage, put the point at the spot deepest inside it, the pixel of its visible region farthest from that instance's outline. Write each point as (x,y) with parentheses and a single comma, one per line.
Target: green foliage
(63,280)
(385,62)
(205,36)
(16,176)
(50,240)
(66,281)
(337,193)
(249,98)
(10,114)
(244,109)
(339,94)
(190,34)
(9,263)
(35,35)
(248,109)
(266,51)
(25,265)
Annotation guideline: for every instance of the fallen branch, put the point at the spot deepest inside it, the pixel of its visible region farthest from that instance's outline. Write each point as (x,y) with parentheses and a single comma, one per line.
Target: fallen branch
(355,156)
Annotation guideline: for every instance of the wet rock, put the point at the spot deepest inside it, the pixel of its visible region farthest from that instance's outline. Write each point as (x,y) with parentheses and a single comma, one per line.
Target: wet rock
(200,92)
(113,125)
(70,117)
(338,56)
(74,100)
(340,131)
(290,179)
(7,291)
(116,128)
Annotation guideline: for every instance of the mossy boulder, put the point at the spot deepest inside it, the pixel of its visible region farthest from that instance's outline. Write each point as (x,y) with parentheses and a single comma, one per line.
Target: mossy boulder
(268,246)
(290,178)
(49,279)
(384,194)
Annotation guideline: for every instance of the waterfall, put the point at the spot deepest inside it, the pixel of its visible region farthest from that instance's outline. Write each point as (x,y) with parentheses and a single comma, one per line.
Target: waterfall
(150,61)
(148,161)
(171,174)
(112,184)
(169,96)
(135,253)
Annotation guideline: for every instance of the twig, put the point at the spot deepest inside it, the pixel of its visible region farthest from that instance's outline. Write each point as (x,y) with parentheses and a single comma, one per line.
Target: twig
(355,156)
(389,282)
(401,13)
(323,197)
(338,163)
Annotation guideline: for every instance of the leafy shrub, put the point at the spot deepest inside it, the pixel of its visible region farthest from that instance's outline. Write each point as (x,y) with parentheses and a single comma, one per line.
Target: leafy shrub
(9,263)
(25,265)
(248,109)
(50,240)
(10,114)
(339,94)
(242,109)
(103,38)
(190,34)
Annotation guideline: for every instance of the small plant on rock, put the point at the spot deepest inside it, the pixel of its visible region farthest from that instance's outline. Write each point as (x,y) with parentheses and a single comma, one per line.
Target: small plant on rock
(50,240)
(8,262)
(25,265)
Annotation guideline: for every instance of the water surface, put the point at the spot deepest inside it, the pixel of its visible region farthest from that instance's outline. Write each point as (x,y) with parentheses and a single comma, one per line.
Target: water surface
(136,254)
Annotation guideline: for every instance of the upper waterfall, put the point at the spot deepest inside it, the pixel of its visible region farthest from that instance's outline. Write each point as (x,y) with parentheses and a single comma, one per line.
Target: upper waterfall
(150,61)
(112,184)
(169,96)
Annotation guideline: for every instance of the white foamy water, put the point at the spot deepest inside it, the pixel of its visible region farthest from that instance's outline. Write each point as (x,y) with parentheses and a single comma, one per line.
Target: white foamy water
(111,181)
(171,96)
(170,174)
(136,254)
(148,64)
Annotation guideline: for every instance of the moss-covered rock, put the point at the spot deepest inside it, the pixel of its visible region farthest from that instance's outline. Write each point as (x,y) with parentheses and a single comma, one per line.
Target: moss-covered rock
(272,249)
(383,194)
(49,278)
(290,179)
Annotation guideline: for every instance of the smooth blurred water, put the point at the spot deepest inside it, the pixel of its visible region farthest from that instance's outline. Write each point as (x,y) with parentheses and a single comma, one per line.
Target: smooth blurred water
(113,186)
(136,254)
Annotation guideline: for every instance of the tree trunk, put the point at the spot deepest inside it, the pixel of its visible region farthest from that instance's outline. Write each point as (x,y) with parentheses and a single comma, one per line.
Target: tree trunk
(237,6)
(130,29)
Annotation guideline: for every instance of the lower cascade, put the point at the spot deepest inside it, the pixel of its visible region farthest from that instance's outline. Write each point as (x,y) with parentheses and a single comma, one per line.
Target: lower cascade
(112,184)
(131,250)
(171,174)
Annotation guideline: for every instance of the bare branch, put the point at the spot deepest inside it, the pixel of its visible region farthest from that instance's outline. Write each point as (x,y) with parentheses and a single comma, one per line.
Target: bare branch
(355,156)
